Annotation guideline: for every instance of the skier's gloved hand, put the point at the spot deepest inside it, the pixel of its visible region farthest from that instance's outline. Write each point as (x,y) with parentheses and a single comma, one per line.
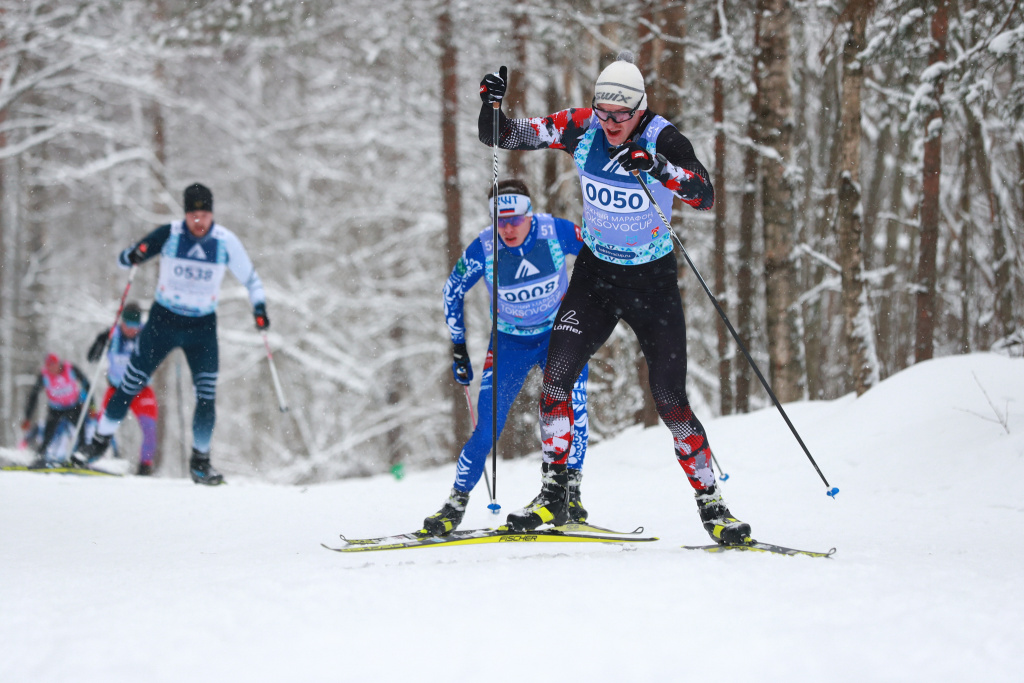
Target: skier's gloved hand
(691,189)
(633,157)
(25,425)
(96,350)
(138,254)
(259,311)
(462,370)
(492,87)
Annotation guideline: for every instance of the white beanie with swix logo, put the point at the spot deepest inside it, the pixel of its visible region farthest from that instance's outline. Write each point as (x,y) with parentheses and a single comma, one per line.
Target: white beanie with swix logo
(621,83)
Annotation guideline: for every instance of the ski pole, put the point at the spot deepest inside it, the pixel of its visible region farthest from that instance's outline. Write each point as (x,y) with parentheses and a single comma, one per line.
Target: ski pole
(99,366)
(723,476)
(273,374)
(831,491)
(487,480)
(496,122)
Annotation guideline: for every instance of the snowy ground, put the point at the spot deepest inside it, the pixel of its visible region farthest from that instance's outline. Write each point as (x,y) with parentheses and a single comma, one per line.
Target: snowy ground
(109,579)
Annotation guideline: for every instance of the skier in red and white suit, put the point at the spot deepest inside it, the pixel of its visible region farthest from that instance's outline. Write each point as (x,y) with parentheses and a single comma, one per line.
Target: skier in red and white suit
(626,271)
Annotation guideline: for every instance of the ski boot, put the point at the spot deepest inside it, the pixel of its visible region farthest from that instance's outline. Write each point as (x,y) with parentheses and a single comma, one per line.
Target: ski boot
(202,471)
(145,469)
(718,521)
(577,513)
(448,518)
(92,451)
(41,463)
(549,507)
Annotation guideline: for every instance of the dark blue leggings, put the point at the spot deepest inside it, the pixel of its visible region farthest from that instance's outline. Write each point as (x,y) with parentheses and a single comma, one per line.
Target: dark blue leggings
(516,357)
(165,331)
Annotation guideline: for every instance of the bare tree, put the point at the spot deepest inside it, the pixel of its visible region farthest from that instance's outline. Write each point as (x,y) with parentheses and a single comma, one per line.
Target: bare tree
(863,362)
(931,175)
(775,132)
(450,184)
(748,217)
(725,400)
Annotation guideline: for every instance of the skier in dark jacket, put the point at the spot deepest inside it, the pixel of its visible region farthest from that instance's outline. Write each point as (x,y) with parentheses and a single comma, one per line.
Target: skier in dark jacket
(123,342)
(626,271)
(195,254)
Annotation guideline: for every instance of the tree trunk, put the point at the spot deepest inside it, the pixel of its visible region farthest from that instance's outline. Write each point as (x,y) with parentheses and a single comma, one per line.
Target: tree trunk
(966,231)
(748,215)
(856,317)
(890,310)
(662,57)
(450,191)
(776,132)
(549,169)
(924,342)
(515,101)
(397,384)
(8,280)
(1002,283)
(721,262)
(820,199)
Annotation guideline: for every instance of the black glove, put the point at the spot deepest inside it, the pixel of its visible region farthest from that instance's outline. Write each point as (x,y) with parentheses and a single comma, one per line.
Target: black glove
(633,157)
(462,369)
(492,87)
(96,350)
(259,311)
(691,189)
(138,254)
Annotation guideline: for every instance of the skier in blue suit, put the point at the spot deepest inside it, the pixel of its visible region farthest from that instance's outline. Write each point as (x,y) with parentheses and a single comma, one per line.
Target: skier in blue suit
(532,279)
(195,254)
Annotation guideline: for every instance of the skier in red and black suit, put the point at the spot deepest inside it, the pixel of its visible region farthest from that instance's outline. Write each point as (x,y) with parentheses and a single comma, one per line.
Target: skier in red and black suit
(626,271)
(66,388)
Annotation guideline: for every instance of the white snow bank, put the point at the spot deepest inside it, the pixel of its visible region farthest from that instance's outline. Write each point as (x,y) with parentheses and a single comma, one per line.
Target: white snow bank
(111,579)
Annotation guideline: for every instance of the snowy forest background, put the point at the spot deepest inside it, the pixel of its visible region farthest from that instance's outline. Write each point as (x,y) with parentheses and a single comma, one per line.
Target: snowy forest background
(867,156)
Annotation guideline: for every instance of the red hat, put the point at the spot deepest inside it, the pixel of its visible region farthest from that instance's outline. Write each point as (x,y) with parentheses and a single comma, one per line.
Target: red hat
(52,358)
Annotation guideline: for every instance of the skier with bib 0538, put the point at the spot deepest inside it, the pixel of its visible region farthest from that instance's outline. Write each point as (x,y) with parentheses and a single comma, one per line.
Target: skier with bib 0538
(66,389)
(195,253)
(532,278)
(123,342)
(626,271)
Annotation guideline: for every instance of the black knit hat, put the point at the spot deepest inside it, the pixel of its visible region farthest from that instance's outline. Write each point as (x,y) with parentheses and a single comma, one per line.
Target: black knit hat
(132,314)
(198,198)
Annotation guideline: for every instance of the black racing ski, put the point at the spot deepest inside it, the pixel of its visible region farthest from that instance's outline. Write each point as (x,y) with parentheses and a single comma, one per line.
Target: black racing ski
(574,533)
(62,469)
(761,548)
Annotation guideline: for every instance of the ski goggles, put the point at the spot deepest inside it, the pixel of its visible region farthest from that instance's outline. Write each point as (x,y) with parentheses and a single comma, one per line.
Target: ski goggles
(511,221)
(616,116)
(511,205)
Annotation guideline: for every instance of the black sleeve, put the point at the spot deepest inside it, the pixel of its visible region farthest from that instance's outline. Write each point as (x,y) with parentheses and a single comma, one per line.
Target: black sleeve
(154,242)
(33,397)
(485,125)
(96,350)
